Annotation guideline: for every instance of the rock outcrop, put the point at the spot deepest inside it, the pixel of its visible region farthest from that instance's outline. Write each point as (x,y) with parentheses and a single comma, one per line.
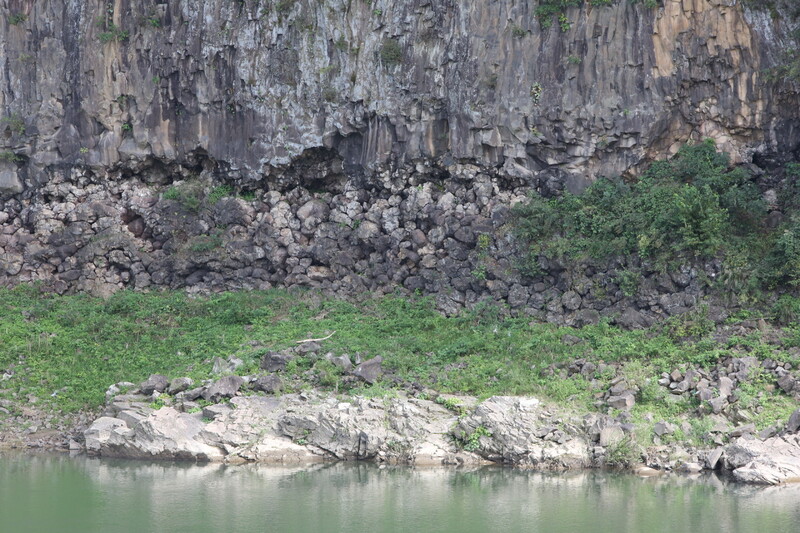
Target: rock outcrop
(290,428)
(517,431)
(769,462)
(249,86)
(311,427)
(357,146)
(521,431)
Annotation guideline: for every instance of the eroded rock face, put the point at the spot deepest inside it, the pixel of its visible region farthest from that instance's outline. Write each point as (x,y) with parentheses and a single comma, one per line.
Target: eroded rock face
(315,427)
(380,141)
(251,85)
(769,462)
(521,431)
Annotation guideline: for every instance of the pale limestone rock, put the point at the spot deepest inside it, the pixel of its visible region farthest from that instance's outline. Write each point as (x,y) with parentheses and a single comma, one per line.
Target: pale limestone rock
(770,462)
(521,432)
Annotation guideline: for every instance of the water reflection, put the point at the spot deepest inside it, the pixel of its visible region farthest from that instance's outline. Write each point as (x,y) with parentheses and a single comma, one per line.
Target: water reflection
(54,493)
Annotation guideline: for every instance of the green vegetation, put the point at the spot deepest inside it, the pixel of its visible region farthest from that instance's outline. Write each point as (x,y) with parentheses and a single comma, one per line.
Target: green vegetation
(342,44)
(692,207)
(66,350)
(218,193)
(549,11)
(154,21)
(16,19)
(391,52)
(536,93)
(788,69)
(471,442)
(518,31)
(113,33)
(623,453)
(205,243)
(9,156)
(15,123)
(192,195)
(189,194)
(790,7)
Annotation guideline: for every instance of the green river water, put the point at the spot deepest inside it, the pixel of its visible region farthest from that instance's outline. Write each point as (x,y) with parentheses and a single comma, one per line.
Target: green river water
(50,494)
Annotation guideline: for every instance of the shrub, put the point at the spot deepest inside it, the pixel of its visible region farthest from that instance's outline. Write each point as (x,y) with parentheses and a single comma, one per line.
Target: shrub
(15,123)
(189,195)
(782,265)
(204,243)
(693,206)
(113,33)
(680,209)
(391,52)
(218,193)
(623,453)
(554,9)
(9,156)
(16,19)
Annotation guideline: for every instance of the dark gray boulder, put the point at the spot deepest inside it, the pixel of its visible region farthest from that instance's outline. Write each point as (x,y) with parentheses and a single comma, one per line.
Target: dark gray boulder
(370,371)
(275,361)
(793,425)
(179,385)
(155,383)
(225,387)
(269,384)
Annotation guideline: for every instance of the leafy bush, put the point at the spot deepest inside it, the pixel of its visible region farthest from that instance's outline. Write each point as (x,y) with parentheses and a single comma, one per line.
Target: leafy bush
(782,265)
(9,156)
(693,206)
(218,193)
(16,19)
(15,123)
(188,194)
(623,453)
(113,33)
(391,52)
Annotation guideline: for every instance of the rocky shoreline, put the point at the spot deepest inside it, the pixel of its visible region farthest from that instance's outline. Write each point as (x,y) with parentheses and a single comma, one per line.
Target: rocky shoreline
(242,419)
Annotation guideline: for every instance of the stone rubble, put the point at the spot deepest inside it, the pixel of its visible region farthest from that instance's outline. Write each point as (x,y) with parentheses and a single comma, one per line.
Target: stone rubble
(409,231)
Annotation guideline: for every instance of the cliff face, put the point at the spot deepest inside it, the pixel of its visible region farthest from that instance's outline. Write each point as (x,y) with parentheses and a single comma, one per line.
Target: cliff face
(105,104)
(252,84)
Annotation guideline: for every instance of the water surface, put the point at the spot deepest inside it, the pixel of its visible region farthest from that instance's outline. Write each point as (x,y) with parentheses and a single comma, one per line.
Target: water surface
(51,494)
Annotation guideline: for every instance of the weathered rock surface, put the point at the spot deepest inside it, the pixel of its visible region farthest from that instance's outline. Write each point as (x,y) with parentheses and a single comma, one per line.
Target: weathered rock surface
(520,431)
(370,371)
(358,147)
(155,383)
(225,387)
(389,81)
(287,429)
(770,462)
(315,427)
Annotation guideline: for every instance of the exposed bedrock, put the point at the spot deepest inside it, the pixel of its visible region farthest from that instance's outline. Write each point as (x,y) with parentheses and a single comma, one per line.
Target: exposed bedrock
(371,145)
(254,84)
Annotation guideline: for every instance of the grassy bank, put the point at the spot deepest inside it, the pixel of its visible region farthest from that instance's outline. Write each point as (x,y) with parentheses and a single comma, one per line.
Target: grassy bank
(63,352)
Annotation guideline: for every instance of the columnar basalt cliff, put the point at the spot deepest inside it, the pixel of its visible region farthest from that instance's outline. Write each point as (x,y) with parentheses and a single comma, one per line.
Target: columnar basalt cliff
(354,145)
